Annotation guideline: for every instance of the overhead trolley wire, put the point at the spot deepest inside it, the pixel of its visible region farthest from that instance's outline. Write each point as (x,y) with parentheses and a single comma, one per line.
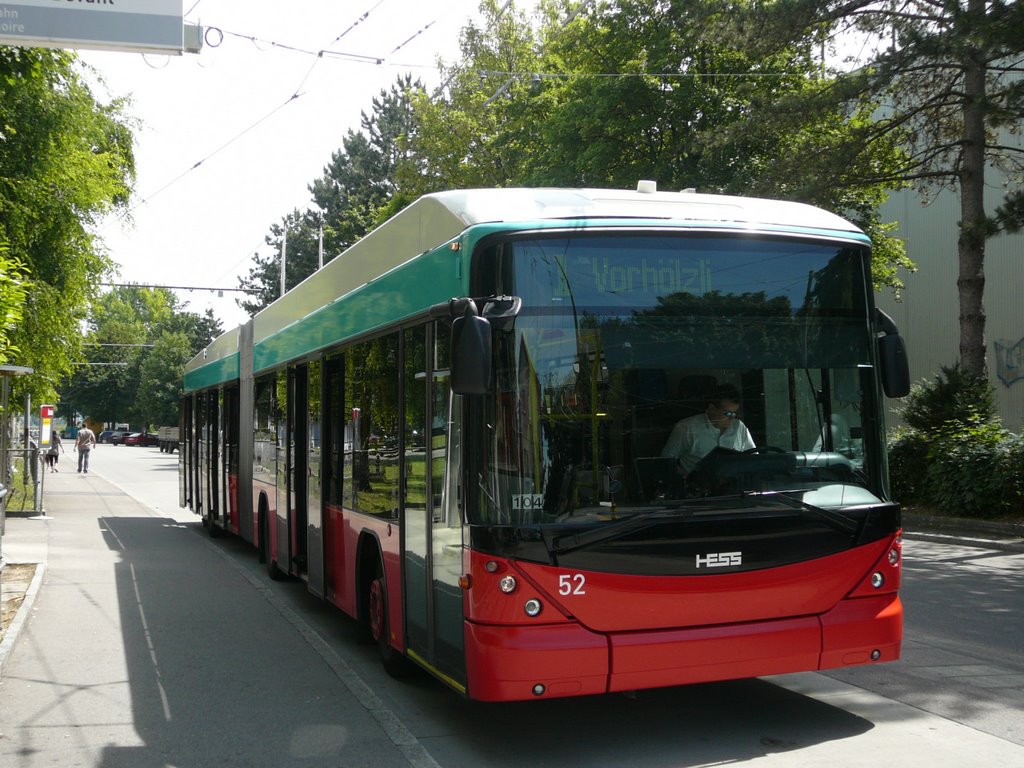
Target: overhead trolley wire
(295,94)
(215,152)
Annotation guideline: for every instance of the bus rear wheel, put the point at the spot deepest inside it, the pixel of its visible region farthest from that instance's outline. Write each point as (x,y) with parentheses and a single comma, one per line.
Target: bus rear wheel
(266,553)
(395,663)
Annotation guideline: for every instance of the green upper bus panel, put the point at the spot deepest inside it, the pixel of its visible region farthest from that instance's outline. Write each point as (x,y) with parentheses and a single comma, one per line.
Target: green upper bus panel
(216,364)
(405,265)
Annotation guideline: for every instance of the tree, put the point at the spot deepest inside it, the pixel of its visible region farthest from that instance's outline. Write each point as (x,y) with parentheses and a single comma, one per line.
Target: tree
(482,126)
(951,82)
(263,282)
(65,161)
(138,342)
(160,377)
(13,289)
(606,94)
(356,192)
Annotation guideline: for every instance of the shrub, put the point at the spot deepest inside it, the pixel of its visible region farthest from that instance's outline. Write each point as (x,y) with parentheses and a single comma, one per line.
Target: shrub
(953,454)
(968,470)
(908,463)
(954,396)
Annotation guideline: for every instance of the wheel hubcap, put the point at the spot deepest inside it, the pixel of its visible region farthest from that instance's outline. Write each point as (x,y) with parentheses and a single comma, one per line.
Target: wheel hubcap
(376,609)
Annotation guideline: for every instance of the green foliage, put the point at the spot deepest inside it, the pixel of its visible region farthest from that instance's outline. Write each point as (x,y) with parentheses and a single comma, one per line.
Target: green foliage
(945,89)
(65,161)
(138,343)
(600,95)
(953,455)
(970,469)
(908,464)
(160,376)
(607,94)
(356,192)
(13,290)
(954,396)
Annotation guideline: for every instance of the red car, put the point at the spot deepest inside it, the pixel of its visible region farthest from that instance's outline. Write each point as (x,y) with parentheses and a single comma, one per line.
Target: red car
(141,438)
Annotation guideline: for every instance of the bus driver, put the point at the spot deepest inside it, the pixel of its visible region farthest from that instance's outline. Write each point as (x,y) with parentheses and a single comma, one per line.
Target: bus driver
(695,437)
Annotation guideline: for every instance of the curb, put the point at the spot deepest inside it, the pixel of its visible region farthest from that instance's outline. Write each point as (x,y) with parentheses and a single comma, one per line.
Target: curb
(981,528)
(1008,537)
(21,616)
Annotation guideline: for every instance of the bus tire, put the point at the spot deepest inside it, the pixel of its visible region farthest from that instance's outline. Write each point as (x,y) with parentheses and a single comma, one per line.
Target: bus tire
(395,663)
(266,554)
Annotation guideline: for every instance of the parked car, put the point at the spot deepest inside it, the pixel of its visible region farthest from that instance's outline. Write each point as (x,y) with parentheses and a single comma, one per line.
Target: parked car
(104,436)
(118,438)
(141,438)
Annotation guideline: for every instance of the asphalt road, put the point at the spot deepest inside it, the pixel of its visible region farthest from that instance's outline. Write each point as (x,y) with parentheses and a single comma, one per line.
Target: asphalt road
(954,700)
(963,650)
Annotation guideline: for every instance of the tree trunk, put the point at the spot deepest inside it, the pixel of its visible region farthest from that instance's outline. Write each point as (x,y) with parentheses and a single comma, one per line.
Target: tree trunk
(971,244)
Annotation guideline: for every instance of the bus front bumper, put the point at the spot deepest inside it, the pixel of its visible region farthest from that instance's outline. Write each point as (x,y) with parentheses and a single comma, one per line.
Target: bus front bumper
(509,663)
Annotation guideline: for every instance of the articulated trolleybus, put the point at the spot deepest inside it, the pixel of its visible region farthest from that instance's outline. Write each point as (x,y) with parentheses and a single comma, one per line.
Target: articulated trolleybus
(456,431)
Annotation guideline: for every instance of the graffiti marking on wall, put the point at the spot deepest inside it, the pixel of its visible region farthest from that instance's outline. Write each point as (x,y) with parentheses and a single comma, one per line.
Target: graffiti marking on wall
(1009,361)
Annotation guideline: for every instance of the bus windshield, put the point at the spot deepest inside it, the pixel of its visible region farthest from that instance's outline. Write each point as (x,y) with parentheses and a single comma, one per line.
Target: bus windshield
(627,341)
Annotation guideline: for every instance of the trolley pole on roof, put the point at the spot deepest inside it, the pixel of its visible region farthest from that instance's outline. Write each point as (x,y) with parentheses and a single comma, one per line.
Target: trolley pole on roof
(284,258)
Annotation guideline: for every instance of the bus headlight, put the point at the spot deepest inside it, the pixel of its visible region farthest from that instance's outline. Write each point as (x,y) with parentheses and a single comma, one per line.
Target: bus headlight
(507,584)
(877,580)
(532,607)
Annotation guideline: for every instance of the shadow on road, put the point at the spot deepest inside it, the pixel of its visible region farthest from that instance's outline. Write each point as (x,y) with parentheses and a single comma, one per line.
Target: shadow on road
(218,677)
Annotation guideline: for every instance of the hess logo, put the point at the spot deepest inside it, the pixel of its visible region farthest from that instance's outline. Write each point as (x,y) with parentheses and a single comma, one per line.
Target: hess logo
(719,559)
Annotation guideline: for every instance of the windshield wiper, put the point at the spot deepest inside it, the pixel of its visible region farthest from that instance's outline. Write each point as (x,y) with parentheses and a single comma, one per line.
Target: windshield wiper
(563,543)
(560,544)
(835,519)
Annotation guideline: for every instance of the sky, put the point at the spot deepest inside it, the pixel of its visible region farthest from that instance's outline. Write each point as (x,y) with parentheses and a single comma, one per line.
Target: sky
(230,110)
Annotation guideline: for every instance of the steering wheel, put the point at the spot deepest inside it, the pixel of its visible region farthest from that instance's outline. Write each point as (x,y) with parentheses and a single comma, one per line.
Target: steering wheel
(764,449)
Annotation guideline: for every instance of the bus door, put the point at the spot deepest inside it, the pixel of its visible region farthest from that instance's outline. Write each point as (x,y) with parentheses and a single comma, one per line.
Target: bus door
(229,451)
(184,450)
(297,464)
(213,457)
(432,528)
(314,485)
(200,458)
(332,533)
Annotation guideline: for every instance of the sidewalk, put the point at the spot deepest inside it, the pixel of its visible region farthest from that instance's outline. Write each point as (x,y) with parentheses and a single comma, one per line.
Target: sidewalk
(148,647)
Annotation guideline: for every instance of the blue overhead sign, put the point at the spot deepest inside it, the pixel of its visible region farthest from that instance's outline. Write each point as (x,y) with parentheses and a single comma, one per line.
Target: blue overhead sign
(120,25)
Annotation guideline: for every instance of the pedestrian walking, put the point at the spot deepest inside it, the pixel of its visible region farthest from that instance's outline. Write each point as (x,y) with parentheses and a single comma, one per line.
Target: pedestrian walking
(84,442)
(54,451)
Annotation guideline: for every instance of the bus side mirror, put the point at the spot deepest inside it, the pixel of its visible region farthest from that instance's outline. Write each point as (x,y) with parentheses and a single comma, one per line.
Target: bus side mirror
(892,356)
(471,355)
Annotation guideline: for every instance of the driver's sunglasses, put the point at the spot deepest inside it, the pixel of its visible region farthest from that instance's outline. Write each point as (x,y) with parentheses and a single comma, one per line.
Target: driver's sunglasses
(730,414)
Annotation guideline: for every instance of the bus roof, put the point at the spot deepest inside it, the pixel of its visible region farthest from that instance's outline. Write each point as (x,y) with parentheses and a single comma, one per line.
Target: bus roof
(479,206)
(436,219)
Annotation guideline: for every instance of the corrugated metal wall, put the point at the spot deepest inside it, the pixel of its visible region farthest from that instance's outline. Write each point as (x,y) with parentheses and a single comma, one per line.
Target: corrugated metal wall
(928,315)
